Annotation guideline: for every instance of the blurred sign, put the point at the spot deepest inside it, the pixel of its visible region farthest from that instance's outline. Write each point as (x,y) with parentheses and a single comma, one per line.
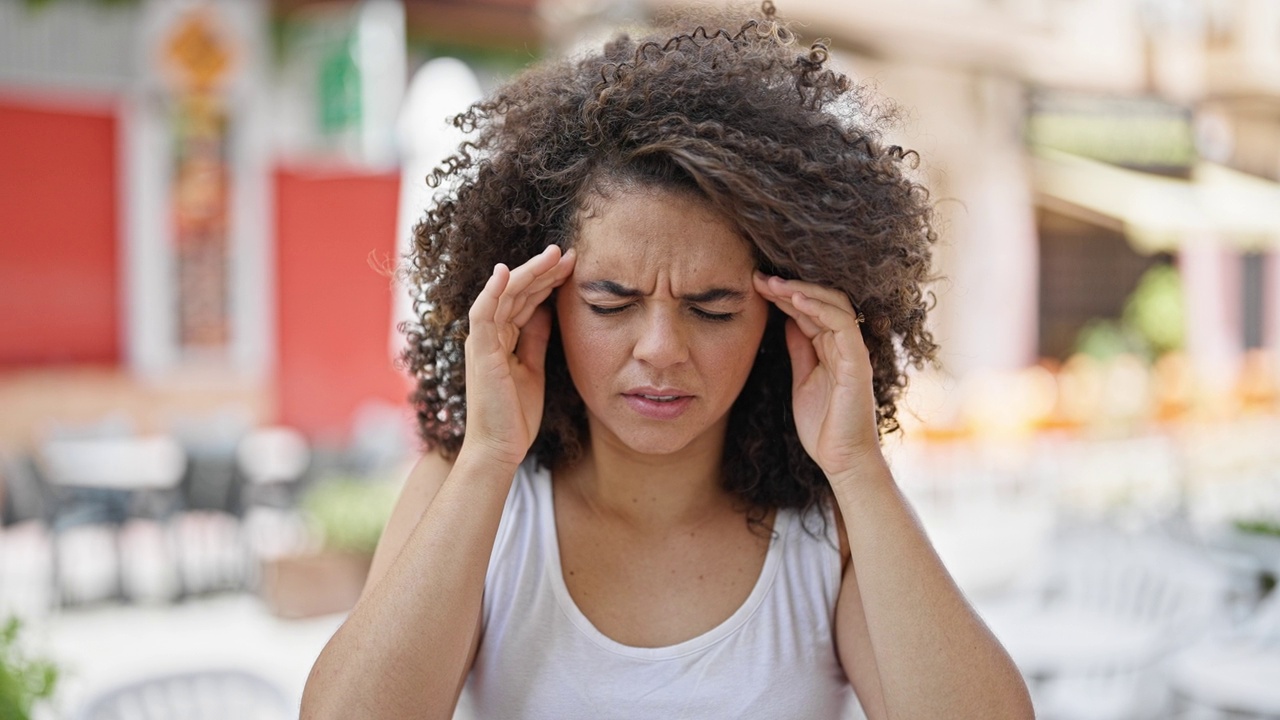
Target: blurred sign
(1143,133)
(196,54)
(342,79)
(198,58)
(339,88)
(196,150)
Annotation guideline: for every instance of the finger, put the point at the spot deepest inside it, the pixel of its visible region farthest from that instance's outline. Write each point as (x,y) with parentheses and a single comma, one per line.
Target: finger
(530,307)
(541,289)
(841,348)
(784,303)
(827,316)
(531,350)
(522,277)
(774,286)
(802,319)
(804,358)
(482,310)
(828,295)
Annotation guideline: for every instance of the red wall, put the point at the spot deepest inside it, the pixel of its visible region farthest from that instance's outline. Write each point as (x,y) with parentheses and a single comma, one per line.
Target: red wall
(334,308)
(58,259)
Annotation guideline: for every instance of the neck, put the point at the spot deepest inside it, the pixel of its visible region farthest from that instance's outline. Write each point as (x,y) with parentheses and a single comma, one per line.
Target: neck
(652,492)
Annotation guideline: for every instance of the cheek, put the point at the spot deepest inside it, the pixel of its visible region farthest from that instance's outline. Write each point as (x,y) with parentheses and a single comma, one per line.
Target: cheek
(730,359)
(586,348)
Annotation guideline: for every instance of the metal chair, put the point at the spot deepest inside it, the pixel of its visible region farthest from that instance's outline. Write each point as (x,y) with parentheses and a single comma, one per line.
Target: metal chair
(273,462)
(215,694)
(108,481)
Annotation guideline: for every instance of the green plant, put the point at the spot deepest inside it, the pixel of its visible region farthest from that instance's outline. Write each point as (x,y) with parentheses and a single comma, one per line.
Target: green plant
(40,4)
(1156,311)
(349,513)
(24,682)
(1259,526)
(1104,339)
(1152,323)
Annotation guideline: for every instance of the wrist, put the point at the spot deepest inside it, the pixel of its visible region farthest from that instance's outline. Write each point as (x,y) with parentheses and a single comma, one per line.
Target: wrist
(479,457)
(860,469)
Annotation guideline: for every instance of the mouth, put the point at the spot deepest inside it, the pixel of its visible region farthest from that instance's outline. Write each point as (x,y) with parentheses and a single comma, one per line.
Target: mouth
(658,394)
(658,403)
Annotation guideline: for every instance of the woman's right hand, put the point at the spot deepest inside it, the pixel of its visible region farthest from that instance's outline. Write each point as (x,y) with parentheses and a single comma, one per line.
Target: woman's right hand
(506,352)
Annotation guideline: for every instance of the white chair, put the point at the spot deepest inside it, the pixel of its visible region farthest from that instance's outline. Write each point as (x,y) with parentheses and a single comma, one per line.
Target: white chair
(273,456)
(1234,675)
(202,695)
(1109,609)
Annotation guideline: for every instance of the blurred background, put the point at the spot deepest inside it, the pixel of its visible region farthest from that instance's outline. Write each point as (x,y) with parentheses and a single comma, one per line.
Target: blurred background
(202,425)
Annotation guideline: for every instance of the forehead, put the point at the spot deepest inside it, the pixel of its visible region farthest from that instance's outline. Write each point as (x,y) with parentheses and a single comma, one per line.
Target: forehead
(640,232)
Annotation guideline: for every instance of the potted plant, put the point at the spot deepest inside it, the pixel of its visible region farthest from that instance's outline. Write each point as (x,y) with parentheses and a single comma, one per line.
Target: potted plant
(25,683)
(346,516)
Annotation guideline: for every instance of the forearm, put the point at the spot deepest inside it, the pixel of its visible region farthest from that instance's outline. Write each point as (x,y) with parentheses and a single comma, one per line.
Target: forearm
(934,656)
(404,650)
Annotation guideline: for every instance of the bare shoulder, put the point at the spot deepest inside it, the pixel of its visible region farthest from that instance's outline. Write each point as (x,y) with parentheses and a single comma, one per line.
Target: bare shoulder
(420,488)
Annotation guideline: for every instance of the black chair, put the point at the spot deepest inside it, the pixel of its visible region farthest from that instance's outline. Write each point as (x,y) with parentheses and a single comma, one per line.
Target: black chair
(109,481)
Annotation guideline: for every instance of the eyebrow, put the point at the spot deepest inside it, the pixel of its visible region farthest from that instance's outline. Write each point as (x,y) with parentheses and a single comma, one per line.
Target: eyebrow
(612,288)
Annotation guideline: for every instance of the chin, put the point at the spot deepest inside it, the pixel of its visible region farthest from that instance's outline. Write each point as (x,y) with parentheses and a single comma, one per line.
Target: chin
(655,440)
(656,446)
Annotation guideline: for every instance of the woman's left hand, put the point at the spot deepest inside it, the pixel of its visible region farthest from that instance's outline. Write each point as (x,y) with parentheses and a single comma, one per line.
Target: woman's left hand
(831,389)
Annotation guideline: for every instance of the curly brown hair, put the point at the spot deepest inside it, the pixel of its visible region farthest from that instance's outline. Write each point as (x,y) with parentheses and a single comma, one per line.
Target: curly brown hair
(769,136)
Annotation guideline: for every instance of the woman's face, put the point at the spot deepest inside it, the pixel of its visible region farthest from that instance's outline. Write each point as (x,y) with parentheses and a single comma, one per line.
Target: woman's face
(660,321)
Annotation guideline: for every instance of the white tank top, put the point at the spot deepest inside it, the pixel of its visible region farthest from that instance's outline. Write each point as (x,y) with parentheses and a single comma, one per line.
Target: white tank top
(540,657)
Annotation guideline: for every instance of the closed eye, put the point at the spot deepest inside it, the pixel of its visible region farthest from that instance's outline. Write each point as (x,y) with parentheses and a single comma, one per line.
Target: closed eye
(713,317)
(607,310)
(697,312)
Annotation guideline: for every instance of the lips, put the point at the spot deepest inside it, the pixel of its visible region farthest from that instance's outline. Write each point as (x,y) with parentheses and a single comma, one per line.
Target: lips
(658,403)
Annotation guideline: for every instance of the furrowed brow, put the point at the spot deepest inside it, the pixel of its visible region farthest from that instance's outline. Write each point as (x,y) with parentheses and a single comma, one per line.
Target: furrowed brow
(610,287)
(713,295)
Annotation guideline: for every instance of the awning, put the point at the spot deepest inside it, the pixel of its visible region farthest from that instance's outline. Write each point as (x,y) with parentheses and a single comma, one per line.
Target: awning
(1159,213)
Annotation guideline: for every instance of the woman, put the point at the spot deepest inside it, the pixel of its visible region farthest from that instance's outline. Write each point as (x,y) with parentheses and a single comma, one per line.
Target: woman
(669,499)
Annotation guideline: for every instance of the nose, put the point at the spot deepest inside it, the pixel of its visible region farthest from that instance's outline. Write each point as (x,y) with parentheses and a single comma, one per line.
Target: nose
(662,342)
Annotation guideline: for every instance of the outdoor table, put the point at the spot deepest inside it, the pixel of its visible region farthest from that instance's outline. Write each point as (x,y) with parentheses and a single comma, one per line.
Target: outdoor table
(1241,675)
(135,464)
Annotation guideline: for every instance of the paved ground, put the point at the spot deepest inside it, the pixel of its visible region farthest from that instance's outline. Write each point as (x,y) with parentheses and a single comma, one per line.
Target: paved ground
(102,646)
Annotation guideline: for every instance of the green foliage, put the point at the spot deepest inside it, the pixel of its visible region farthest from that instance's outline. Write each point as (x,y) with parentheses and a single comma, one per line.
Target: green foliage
(1153,322)
(1105,339)
(39,4)
(1259,527)
(1155,309)
(23,682)
(350,513)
